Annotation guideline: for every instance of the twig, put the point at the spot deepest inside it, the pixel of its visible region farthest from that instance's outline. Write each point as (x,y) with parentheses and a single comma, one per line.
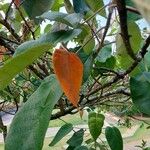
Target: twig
(7,13)
(139,119)
(132,9)
(3,127)
(26,23)
(34,70)
(9,40)
(105,31)
(89,39)
(129,70)
(95,13)
(10,29)
(60,114)
(6,45)
(124,27)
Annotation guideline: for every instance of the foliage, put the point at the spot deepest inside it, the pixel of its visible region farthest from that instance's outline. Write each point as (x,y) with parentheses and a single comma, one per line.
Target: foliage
(70,77)
(114,138)
(100,58)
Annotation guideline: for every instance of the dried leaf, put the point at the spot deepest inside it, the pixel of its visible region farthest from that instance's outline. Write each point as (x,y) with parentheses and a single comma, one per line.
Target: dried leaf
(69,71)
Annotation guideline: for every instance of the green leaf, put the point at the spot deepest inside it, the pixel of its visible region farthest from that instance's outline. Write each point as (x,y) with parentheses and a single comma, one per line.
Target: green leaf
(143,7)
(70,148)
(87,68)
(63,131)
(104,61)
(114,138)
(82,55)
(80,6)
(146,61)
(85,31)
(29,51)
(103,67)
(68,6)
(140,94)
(88,45)
(68,19)
(135,40)
(87,60)
(96,5)
(104,54)
(76,139)
(131,15)
(81,148)
(123,59)
(47,28)
(37,7)
(57,4)
(95,123)
(29,125)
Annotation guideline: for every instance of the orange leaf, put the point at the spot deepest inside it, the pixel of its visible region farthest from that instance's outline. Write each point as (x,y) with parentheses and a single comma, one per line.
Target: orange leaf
(69,71)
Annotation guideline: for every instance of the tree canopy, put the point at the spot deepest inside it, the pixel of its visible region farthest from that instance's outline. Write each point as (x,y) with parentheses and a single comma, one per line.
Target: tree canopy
(73,56)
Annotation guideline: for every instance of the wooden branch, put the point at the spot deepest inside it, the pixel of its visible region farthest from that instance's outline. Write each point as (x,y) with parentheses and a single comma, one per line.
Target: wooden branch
(9,40)
(60,114)
(10,29)
(6,45)
(34,70)
(133,10)
(129,70)
(4,128)
(105,31)
(26,23)
(121,6)
(7,12)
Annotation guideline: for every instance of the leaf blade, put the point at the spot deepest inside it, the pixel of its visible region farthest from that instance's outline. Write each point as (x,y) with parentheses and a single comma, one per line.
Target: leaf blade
(63,131)
(95,123)
(69,71)
(114,138)
(29,126)
(76,139)
(29,51)
(140,95)
(68,19)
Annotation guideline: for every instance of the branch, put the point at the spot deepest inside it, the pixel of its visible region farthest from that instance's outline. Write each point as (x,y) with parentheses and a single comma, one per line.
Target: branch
(60,114)
(34,70)
(26,23)
(3,127)
(9,40)
(105,31)
(140,56)
(129,70)
(121,6)
(144,48)
(133,10)
(10,29)
(136,118)
(7,13)
(6,45)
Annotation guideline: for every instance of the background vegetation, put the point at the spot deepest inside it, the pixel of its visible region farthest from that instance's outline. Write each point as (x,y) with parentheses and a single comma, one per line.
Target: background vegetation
(110,45)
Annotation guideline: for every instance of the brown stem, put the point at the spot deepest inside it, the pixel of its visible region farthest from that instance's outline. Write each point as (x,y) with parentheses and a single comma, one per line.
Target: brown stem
(10,29)
(3,127)
(26,23)
(129,70)
(121,6)
(34,70)
(105,31)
